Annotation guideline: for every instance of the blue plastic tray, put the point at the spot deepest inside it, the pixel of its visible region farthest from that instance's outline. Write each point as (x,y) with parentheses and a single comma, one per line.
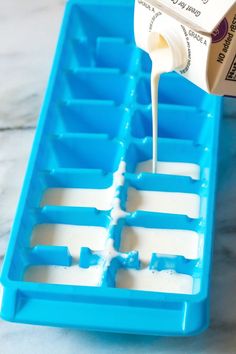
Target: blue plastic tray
(96,114)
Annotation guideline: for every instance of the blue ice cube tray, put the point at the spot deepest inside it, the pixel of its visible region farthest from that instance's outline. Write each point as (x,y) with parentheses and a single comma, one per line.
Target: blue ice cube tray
(96,116)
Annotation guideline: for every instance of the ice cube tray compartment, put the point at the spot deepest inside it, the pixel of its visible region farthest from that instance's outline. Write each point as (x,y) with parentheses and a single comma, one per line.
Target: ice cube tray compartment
(91,118)
(82,152)
(121,52)
(94,84)
(96,235)
(169,116)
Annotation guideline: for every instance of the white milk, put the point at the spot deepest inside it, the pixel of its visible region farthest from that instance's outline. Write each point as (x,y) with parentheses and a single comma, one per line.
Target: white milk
(107,255)
(164,202)
(73,275)
(72,236)
(164,241)
(117,213)
(167,281)
(161,62)
(100,199)
(171,168)
(154,92)
(118,181)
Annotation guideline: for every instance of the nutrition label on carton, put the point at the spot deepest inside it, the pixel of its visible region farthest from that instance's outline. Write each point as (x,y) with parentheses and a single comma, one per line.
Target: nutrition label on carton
(231,76)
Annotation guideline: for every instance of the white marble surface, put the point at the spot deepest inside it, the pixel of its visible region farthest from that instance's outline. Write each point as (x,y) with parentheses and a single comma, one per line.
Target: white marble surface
(28,34)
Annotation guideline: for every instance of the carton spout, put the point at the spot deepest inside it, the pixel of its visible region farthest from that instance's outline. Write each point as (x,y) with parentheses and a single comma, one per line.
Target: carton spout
(198,50)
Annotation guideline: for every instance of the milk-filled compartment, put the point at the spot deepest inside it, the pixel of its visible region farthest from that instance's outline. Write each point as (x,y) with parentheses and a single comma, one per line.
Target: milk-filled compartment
(100,199)
(165,241)
(80,172)
(149,233)
(43,269)
(61,275)
(69,227)
(153,271)
(169,249)
(55,240)
(165,281)
(73,237)
(164,202)
(165,274)
(97,84)
(90,118)
(164,194)
(47,182)
(173,90)
(77,188)
(175,157)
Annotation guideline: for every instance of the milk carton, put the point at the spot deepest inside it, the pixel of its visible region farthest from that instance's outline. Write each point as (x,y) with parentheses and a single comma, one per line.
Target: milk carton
(201,35)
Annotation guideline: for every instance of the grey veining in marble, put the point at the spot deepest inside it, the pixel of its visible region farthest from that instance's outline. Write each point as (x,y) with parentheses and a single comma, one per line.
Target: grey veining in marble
(28,34)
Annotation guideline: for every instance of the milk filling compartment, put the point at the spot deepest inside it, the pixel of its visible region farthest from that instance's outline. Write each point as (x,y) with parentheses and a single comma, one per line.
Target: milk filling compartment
(145,241)
(167,281)
(79,197)
(75,237)
(171,168)
(71,236)
(73,275)
(164,202)
(101,199)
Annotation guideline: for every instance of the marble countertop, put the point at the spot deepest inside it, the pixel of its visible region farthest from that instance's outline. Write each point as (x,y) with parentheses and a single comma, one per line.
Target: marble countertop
(28,32)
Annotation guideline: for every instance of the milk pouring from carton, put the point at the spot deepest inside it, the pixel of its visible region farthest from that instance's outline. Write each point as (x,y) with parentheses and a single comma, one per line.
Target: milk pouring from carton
(200,36)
